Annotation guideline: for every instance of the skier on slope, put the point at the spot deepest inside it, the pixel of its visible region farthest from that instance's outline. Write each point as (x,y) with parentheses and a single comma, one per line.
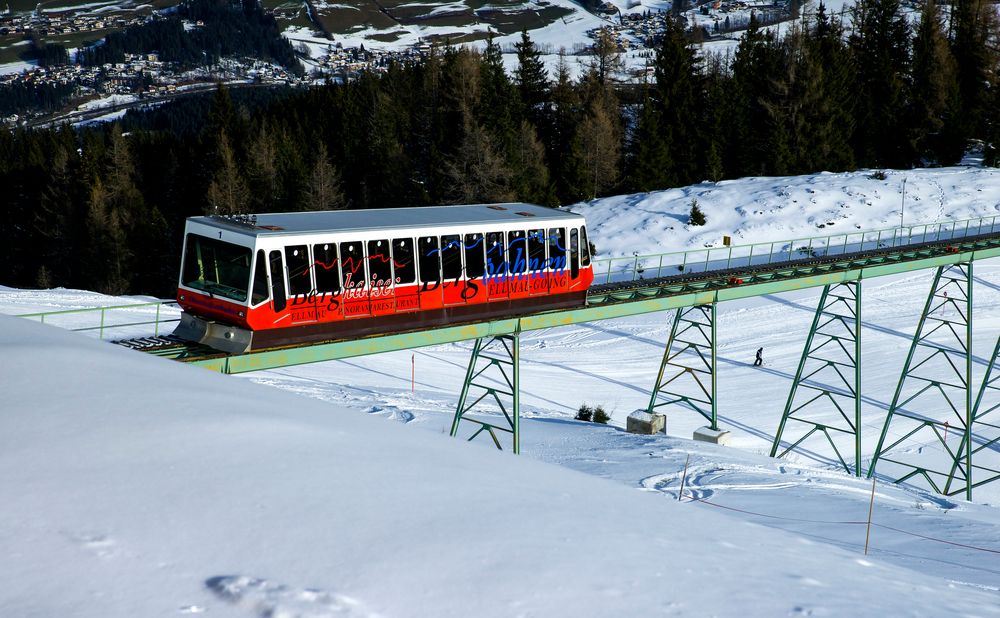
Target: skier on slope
(760,358)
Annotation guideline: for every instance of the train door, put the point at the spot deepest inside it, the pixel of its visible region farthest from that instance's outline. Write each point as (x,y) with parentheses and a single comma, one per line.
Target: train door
(355,278)
(587,272)
(497,287)
(452,285)
(517,262)
(380,286)
(405,271)
(429,267)
(475,268)
(278,299)
(259,289)
(574,258)
(300,284)
(326,272)
(558,271)
(538,279)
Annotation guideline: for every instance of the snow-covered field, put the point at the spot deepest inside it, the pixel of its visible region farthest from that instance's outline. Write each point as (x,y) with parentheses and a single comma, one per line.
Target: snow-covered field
(763,209)
(138,486)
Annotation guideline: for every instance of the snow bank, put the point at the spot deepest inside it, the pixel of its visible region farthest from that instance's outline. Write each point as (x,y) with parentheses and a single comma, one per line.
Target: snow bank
(765,209)
(136,486)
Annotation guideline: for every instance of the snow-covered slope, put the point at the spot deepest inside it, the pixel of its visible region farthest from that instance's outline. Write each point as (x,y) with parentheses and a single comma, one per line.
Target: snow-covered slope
(754,210)
(134,486)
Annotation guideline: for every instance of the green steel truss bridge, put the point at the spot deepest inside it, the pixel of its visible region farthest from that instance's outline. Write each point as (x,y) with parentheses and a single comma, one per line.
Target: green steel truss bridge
(935,398)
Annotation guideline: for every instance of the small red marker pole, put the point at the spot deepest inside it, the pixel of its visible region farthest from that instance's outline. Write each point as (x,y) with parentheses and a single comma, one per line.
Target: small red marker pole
(413,370)
(946,431)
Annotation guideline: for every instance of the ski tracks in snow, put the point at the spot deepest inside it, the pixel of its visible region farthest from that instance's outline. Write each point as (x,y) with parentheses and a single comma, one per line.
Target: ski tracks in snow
(705,480)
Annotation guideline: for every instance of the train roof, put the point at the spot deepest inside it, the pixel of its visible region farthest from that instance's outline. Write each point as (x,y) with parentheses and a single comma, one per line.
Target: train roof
(386,218)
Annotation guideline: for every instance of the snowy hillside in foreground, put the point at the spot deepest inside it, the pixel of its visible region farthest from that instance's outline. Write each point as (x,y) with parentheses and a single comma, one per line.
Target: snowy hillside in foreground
(134,486)
(142,487)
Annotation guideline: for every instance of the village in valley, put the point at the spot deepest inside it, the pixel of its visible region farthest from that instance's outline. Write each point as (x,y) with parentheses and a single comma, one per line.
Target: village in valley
(148,78)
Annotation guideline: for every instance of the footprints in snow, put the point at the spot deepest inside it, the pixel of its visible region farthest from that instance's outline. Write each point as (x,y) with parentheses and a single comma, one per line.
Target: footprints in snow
(266,599)
(392,413)
(100,545)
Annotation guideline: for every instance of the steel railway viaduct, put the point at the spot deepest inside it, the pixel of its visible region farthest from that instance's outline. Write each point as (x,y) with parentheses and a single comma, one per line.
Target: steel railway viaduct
(935,392)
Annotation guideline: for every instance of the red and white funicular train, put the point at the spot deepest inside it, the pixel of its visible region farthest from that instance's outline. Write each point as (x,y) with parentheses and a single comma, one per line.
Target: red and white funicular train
(270,280)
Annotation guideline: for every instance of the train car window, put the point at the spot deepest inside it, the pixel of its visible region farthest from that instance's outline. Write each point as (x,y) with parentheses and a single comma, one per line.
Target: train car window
(259,293)
(326,268)
(475,256)
(451,257)
(402,257)
(217,268)
(536,250)
(557,248)
(574,253)
(518,249)
(299,279)
(496,263)
(379,262)
(584,247)
(352,265)
(430,259)
(277,280)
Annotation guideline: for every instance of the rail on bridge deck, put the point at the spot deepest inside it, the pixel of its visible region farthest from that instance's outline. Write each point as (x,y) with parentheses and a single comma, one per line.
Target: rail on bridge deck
(699,279)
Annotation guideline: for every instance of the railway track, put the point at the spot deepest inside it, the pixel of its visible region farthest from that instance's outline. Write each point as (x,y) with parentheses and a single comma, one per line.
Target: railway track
(175,348)
(639,289)
(169,346)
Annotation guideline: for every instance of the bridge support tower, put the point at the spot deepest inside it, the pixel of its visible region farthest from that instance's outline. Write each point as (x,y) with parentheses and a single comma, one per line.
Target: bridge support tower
(933,399)
(984,434)
(828,378)
(687,375)
(492,380)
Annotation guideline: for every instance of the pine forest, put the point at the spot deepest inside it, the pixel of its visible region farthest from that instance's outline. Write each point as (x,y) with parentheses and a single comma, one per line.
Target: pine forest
(102,207)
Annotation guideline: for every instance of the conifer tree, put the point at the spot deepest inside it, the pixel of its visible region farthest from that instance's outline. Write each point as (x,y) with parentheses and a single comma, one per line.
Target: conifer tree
(530,173)
(497,94)
(802,109)
(651,162)
(108,248)
(227,192)
(676,105)
(974,32)
(715,117)
(991,132)
(263,180)
(937,134)
(598,138)
(476,172)
(428,129)
(222,113)
(881,48)
(143,227)
(566,165)
(531,79)
(323,191)
(751,134)
(57,220)
(837,69)
(606,62)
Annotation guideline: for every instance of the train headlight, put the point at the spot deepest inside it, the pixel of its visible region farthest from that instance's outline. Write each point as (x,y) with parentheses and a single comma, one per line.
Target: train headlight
(242,314)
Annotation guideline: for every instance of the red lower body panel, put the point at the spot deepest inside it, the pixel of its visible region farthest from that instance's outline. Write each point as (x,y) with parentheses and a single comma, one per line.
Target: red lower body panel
(314,317)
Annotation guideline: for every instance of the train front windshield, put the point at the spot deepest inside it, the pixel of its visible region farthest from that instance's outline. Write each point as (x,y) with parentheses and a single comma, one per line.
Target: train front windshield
(217,268)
